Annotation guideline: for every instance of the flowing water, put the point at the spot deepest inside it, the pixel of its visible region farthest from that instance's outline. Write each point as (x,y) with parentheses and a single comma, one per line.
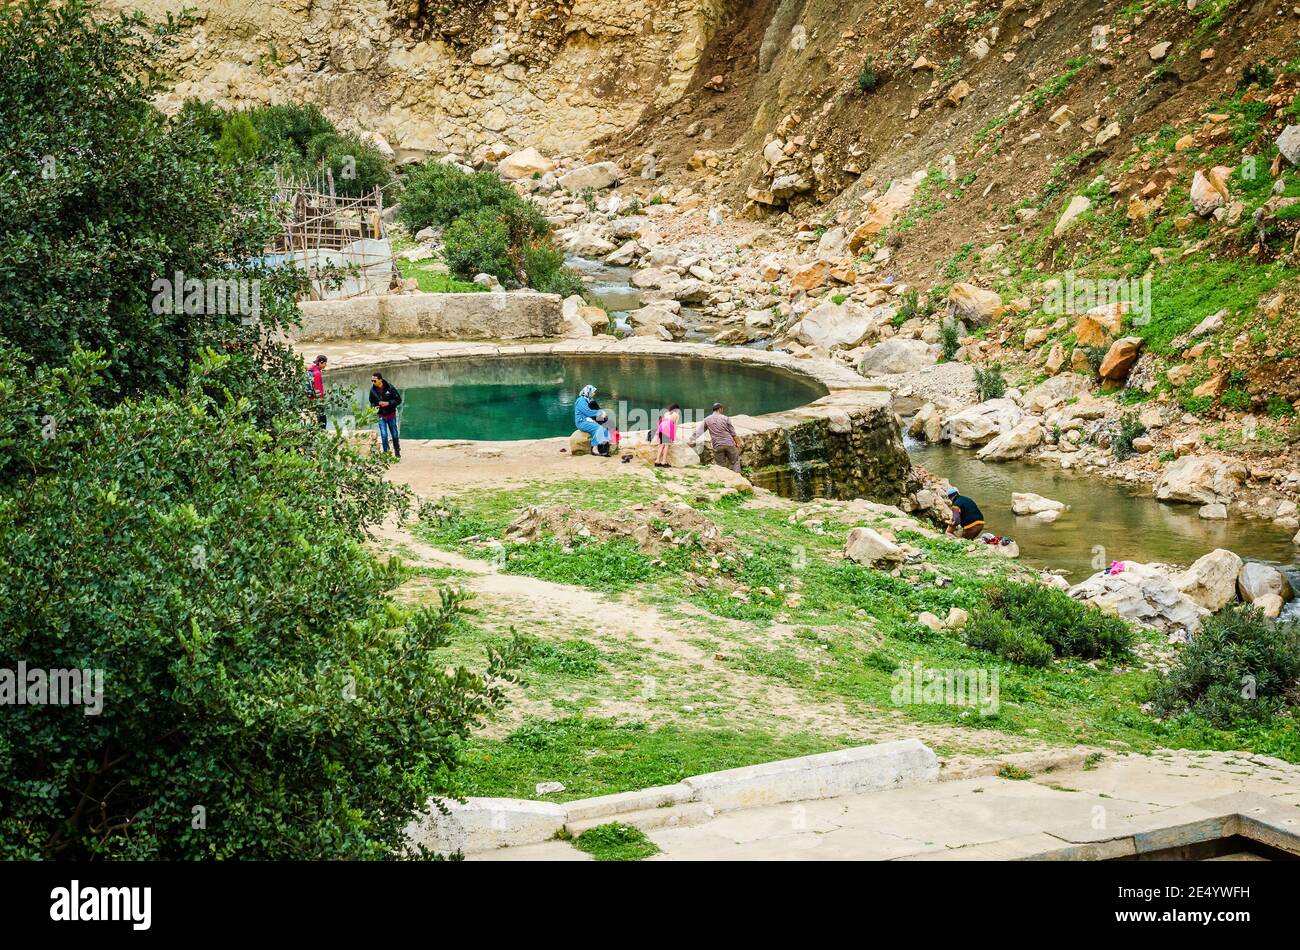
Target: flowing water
(1107,520)
(531,397)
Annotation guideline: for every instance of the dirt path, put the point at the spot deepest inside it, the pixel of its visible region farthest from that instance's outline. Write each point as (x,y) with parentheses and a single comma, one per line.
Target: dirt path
(674,646)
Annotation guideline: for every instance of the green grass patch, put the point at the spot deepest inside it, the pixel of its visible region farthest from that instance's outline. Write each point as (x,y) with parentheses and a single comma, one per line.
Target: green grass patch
(615,841)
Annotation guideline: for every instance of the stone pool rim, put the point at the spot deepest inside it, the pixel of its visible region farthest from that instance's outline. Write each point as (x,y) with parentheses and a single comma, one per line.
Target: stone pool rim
(846,391)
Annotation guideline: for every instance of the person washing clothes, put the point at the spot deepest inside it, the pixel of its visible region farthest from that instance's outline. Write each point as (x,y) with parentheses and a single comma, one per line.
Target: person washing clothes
(587,418)
(726,444)
(967,519)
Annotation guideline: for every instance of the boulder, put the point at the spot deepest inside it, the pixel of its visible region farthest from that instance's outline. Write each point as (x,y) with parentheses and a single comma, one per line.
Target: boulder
(927,619)
(1270,605)
(897,355)
(680,455)
(1214,512)
(1211,582)
(1288,143)
(662,320)
(1013,444)
(1077,206)
(833,325)
(1210,191)
(1143,594)
(580,443)
(810,276)
(866,546)
(1027,503)
(597,176)
(926,424)
(1119,359)
(575,326)
(1257,580)
(1053,392)
(973,305)
(982,423)
(1196,479)
(881,213)
(525,164)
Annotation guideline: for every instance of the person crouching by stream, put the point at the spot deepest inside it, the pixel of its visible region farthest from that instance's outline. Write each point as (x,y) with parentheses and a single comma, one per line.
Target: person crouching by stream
(726,444)
(967,519)
(385,398)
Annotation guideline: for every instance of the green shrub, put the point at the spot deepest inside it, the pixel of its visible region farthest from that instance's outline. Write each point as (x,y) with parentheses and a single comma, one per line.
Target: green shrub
(202,116)
(544,267)
(1235,399)
(1130,428)
(949,338)
(867,77)
(479,243)
(1014,615)
(992,632)
(239,141)
(615,841)
(990,383)
(357,167)
(1240,666)
(435,194)
(288,129)
(1279,408)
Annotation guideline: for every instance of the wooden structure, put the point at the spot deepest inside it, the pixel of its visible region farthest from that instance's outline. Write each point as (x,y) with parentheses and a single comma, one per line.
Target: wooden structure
(341,241)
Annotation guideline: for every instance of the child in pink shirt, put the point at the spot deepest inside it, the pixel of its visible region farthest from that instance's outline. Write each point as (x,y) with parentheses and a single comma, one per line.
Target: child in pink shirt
(667,434)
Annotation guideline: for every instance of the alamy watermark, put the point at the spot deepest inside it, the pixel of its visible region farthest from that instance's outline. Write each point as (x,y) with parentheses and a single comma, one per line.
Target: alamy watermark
(917,685)
(208,295)
(37,686)
(1072,294)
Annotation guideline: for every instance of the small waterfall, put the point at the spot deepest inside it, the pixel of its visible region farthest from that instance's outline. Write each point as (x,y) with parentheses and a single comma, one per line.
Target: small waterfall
(799,469)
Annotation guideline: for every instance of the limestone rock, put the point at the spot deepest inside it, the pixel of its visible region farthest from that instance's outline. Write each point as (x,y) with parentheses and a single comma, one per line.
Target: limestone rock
(1143,594)
(1288,143)
(1013,444)
(680,455)
(1211,582)
(1027,503)
(867,546)
(1053,392)
(1214,512)
(832,325)
(525,164)
(1077,206)
(1119,359)
(580,443)
(1270,605)
(980,424)
(897,355)
(973,305)
(926,424)
(1196,479)
(881,213)
(1257,580)
(597,176)
(1210,191)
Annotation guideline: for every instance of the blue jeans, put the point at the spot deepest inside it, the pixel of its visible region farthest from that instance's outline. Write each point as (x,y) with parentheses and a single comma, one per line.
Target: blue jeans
(387,426)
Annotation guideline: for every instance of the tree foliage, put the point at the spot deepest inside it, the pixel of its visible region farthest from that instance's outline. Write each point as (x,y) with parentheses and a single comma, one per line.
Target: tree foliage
(171,515)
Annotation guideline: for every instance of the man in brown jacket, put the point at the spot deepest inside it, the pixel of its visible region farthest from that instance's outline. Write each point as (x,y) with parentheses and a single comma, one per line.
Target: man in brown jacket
(726,444)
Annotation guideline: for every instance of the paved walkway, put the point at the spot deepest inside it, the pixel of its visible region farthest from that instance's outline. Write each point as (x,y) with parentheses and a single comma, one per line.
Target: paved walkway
(1097,808)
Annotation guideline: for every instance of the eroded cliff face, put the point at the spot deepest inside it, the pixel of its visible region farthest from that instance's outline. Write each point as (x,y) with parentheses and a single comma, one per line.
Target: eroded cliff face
(433,77)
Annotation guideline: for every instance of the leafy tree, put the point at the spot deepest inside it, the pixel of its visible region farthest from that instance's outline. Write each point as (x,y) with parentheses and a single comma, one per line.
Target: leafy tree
(104,197)
(358,167)
(171,515)
(479,243)
(435,194)
(239,141)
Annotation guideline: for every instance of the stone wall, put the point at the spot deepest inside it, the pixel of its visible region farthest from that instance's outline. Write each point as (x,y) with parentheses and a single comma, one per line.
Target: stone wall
(473,316)
(558,80)
(831,448)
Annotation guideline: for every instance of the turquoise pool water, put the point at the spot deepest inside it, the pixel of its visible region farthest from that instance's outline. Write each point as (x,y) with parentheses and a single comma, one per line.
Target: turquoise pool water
(531,397)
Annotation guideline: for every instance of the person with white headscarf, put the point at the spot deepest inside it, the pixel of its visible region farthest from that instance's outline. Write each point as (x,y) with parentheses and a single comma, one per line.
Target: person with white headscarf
(585,417)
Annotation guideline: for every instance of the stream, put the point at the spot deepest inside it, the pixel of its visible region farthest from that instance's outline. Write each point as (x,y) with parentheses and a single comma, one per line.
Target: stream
(1106,520)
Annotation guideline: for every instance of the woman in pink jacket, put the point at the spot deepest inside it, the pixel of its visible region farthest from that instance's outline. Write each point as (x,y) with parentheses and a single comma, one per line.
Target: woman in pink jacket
(667,434)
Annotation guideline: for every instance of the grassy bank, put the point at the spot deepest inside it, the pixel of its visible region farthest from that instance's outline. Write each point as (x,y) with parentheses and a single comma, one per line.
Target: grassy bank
(786,649)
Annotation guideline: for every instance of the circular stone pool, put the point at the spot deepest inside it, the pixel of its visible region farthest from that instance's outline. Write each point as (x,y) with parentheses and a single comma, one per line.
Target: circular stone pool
(505,398)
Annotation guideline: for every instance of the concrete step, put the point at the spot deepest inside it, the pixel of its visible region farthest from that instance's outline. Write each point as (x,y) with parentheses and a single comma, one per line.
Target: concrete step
(673,816)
